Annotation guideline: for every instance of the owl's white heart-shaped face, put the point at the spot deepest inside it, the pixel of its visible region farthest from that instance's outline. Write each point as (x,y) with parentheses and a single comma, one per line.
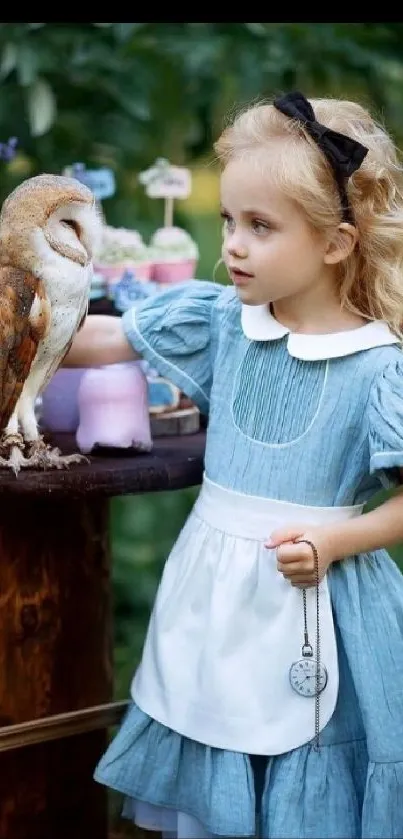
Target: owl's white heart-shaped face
(45,215)
(72,230)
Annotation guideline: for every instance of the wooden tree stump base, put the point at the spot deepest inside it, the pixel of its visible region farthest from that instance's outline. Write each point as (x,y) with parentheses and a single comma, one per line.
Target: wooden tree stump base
(175,423)
(55,656)
(56,633)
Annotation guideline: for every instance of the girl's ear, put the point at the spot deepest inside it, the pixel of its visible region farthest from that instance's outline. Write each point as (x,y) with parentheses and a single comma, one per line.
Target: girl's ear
(341,244)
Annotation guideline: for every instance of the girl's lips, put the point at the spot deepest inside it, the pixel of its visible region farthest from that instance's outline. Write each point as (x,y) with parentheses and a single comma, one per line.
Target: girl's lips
(240,277)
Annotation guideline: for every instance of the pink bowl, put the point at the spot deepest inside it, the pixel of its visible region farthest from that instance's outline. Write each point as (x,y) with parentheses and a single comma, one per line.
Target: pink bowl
(174,272)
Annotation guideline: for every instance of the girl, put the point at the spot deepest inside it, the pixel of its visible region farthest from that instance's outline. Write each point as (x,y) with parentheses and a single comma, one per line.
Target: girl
(269,699)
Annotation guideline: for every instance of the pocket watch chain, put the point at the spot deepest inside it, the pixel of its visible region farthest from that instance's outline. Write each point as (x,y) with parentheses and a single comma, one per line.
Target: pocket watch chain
(306,641)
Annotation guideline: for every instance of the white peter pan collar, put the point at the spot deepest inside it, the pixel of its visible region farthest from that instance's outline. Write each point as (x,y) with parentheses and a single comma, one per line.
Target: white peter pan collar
(258,324)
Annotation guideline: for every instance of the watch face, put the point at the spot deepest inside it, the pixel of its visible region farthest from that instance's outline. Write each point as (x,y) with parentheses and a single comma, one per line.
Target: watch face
(303,677)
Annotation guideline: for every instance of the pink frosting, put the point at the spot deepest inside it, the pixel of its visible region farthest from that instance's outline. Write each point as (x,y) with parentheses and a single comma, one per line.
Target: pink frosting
(113,408)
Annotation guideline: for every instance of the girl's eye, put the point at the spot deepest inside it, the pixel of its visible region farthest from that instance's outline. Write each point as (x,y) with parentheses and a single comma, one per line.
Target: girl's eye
(259,226)
(229,223)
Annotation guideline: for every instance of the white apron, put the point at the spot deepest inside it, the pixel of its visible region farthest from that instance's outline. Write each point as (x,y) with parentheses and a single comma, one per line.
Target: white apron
(226,626)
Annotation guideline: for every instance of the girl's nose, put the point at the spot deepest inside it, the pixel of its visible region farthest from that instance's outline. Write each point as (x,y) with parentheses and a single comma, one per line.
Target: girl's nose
(236,248)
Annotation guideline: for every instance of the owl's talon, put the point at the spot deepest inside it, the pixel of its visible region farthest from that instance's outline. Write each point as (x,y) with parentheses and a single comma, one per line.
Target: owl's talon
(12,452)
(44,456)
(37,448)
(15,460)
(8,442)
(38,455)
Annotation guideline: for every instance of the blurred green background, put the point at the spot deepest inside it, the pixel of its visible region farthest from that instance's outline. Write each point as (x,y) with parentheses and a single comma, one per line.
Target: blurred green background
(121,95)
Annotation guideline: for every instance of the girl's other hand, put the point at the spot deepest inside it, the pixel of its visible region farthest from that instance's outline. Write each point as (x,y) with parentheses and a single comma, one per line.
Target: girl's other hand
(295,559)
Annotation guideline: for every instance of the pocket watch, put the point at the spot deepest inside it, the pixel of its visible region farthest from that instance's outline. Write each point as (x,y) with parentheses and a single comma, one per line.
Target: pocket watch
(305,676)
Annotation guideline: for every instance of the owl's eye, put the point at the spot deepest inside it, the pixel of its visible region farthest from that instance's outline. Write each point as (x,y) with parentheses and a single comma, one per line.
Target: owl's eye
(73,224)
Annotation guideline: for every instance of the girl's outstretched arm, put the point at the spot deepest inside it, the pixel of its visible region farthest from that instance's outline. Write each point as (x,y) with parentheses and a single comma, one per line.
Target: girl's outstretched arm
(101,340)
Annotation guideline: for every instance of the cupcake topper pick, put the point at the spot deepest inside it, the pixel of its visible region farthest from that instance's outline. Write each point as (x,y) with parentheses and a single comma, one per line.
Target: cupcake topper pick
(100,181)
(165,181)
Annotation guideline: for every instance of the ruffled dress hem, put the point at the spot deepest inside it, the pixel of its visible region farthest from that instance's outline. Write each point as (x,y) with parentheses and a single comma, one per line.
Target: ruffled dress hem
(167,779)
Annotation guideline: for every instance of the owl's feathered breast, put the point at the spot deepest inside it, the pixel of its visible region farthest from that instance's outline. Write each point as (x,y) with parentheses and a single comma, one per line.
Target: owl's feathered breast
(25,315)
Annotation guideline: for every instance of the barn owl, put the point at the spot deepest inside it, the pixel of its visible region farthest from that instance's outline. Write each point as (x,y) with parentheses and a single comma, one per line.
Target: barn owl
(48,227)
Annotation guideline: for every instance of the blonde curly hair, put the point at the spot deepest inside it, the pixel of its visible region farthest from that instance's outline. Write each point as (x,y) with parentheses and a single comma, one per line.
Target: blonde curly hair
(371,278)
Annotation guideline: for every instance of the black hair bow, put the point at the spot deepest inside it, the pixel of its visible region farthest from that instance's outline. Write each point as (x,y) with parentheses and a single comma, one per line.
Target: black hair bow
(344,154)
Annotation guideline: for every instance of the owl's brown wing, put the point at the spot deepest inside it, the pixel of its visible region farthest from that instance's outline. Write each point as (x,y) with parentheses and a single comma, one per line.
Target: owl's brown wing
(24,321)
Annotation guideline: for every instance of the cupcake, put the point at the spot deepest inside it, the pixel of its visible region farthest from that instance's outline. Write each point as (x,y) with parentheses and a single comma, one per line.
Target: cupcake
(174,255)
(121,250)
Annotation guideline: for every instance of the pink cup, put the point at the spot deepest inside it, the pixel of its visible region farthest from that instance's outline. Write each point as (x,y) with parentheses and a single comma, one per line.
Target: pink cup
(113,273)
(113,408)
(174,272)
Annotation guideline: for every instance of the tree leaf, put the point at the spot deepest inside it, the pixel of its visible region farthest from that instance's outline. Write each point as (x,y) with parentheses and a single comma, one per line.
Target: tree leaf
(41,107)
(257,29)
(124,31)
(27,65)
(8,60)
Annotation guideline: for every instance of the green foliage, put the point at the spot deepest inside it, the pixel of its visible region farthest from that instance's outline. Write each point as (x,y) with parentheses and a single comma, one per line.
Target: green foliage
(121,94)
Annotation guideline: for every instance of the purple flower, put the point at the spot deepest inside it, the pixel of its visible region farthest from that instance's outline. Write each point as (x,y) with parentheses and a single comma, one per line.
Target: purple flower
(8,150)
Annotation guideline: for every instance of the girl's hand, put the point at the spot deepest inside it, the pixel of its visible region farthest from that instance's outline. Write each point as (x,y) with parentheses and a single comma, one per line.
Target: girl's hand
(295,559)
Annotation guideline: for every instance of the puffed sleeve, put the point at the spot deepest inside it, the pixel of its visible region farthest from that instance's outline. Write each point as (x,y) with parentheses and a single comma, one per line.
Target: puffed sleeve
(386,424)
(172,330)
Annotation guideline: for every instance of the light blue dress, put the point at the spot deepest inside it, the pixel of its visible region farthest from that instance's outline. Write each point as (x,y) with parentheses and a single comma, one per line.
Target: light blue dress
(313,420)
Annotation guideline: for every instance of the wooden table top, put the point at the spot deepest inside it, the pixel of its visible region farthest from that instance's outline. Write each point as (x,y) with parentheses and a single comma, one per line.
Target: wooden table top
(174,463)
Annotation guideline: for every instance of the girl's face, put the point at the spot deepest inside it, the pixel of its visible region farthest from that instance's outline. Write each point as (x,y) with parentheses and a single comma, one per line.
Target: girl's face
(270,250)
